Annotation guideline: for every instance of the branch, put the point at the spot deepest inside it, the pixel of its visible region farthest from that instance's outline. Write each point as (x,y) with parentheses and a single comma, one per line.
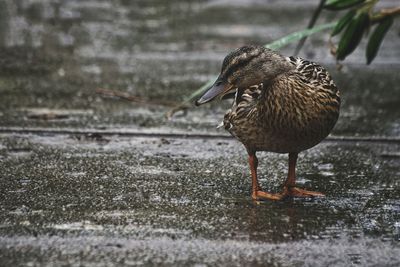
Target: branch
(310,25)
(393,11)
(128,97)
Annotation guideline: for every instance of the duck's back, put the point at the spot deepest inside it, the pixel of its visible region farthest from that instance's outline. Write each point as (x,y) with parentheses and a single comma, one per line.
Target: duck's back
(294,112)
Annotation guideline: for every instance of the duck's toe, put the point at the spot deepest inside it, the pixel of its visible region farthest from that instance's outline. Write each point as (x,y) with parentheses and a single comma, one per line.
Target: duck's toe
(261,195)
(298,192)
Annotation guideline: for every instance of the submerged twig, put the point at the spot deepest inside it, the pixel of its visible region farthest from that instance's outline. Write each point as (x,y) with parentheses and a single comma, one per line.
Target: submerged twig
(119,94)
(188,102)
(131,98)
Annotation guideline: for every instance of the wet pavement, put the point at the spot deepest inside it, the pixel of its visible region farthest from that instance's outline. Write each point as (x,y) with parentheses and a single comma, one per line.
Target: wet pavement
(94,181)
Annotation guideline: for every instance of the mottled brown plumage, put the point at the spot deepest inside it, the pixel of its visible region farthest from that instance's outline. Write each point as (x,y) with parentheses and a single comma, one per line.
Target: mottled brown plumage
(281,104)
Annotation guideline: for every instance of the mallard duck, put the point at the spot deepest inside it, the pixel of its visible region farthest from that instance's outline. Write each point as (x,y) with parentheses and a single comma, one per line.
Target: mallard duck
(281,104)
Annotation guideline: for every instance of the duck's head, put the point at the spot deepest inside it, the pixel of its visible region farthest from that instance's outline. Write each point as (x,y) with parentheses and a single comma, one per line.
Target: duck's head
(244,67)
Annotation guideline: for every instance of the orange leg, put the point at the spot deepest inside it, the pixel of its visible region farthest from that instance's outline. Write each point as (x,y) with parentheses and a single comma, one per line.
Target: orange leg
(257,192)
(290,188)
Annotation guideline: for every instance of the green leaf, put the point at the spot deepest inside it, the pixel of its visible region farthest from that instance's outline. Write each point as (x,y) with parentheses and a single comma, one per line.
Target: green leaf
(343,22)
(341,4)
(352,35)
(377,37)
(293,37)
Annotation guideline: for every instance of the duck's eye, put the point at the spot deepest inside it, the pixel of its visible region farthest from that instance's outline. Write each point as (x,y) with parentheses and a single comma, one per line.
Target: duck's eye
(218,83)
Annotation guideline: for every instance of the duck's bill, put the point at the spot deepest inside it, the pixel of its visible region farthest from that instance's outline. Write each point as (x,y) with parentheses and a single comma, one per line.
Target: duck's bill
(217,89)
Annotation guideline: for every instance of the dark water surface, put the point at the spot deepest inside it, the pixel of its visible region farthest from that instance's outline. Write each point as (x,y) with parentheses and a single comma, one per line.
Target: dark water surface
(69,198)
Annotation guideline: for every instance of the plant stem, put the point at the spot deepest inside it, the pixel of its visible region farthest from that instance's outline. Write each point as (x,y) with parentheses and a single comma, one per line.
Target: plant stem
(310,25)
(393,11)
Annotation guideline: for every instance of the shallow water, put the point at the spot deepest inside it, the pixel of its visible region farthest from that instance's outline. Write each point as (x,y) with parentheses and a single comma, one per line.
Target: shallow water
(73,196)
(131,198)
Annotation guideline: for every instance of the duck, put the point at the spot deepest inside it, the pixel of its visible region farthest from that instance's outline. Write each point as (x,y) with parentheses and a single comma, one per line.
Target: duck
(280,104)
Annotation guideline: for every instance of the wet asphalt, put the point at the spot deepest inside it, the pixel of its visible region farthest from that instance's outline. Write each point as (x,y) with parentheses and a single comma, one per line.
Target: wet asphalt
(88,180)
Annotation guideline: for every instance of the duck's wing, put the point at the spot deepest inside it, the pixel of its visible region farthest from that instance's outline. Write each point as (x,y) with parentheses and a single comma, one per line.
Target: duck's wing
(314,74)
